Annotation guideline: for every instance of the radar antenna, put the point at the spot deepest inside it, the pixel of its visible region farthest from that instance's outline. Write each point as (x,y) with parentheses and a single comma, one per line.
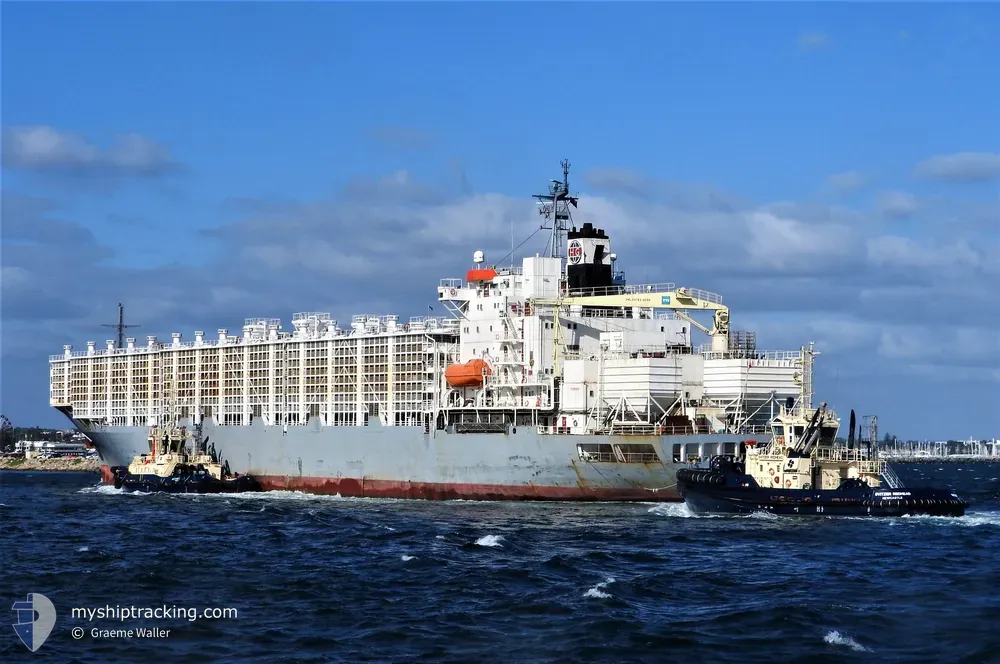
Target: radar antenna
(120,325)
(554,206)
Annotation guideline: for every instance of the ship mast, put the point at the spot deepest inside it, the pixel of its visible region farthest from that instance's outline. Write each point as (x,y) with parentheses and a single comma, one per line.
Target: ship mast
(554,206)
(120,325)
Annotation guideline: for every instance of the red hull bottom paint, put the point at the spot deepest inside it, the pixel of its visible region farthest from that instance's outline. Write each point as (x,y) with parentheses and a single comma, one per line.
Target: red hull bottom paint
(369,488)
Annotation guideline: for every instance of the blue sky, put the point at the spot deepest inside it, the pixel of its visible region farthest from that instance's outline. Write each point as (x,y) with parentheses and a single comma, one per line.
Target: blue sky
(832,169)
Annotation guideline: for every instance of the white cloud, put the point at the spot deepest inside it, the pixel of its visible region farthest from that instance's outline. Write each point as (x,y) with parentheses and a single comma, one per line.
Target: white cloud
(897,205)
(846,182)
(947,345)
(897,251)
(43,149)
(12,277)
(960,167)
(781,242)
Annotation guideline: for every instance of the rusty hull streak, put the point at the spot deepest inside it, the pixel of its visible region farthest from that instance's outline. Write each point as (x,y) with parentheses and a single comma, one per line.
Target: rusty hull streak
(349,487)
(579,476)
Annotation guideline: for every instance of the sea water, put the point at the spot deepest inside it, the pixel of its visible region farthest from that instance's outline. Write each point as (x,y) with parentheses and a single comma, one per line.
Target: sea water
(324,579)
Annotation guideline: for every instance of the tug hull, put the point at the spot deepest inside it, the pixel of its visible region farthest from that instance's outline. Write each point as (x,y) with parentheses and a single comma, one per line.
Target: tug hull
(826,503)
(708,492)
(190,483)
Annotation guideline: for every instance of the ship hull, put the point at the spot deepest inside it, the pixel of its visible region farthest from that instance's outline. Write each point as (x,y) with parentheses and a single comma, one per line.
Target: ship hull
(703,498)
(407,462)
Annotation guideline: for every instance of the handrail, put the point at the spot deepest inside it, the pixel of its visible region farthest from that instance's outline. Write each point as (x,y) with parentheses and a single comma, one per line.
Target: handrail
(630,289)
(705,350)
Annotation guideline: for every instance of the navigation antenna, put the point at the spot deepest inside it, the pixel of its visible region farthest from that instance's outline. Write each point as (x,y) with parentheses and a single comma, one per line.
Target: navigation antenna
(120,325)
(554,206)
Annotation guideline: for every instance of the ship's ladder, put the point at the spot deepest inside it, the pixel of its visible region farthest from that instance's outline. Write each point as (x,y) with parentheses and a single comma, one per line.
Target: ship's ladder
(511,334)
(890,477)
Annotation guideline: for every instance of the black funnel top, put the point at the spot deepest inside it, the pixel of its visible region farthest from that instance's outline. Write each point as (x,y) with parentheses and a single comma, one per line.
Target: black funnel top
(588,249)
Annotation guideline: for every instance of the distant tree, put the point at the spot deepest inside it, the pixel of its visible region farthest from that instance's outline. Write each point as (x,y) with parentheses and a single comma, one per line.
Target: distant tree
(7,436)
(888,438)
(28,433)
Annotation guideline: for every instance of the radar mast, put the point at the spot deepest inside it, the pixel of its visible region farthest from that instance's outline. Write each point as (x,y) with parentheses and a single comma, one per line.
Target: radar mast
(554,207)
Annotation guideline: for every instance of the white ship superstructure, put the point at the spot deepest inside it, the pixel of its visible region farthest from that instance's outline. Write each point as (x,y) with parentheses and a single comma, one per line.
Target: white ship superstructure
(377,367)
(558,349)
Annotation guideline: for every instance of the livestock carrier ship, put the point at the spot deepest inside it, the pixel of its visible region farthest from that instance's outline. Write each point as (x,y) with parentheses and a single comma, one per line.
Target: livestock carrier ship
(552,380)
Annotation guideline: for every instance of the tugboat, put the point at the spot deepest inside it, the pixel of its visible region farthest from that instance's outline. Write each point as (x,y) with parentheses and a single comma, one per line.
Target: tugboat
(804,471)
(170,468)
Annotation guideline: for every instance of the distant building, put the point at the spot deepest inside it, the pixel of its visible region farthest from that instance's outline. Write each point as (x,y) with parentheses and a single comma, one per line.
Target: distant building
(44,448)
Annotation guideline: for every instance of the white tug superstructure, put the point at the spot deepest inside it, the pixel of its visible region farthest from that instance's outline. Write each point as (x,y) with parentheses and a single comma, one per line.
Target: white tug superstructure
(554,379)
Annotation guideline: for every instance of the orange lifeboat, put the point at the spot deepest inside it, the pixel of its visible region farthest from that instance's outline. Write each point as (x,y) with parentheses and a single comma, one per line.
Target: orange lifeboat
(469,374)
(480,275)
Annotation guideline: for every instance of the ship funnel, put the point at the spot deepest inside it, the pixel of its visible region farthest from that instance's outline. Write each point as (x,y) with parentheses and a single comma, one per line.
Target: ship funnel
(850,434)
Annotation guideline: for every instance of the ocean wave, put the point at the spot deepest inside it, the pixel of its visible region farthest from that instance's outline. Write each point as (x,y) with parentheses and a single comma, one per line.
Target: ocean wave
(835,638)
(490,540)
(598,590)
(676,510)
(970,519)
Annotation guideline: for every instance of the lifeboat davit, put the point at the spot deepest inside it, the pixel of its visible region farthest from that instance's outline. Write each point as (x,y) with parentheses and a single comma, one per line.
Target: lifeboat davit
(469,374)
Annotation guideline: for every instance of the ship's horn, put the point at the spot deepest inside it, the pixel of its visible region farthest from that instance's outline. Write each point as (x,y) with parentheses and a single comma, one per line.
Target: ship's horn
(850,435)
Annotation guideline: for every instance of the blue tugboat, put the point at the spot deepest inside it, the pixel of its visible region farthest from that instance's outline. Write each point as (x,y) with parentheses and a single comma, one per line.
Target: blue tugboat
(170,468)
(803,471)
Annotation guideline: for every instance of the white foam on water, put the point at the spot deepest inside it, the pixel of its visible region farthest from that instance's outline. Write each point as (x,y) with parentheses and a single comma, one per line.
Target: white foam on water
(105,490)
(762,514)
(835,638)
(678,510)
(405,557)
(439,537)
(598,590)
(490,540)
(83,549)
(274,495)
(971,519)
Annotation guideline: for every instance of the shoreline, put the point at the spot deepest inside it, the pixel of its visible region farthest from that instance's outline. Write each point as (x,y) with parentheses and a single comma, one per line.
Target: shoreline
(61,465)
